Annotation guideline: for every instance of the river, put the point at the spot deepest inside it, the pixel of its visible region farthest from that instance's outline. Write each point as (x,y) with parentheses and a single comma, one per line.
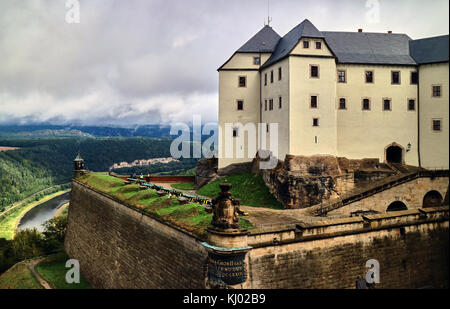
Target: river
(43,212)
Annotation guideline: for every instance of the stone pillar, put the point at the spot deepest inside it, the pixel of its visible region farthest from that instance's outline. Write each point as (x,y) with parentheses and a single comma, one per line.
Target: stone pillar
(227,243)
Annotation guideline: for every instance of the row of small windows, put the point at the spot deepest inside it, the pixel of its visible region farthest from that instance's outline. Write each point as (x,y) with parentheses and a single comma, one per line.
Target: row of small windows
(436,126)
(280,75)
(270,101)
(370,79)
(366,104)
(318,44)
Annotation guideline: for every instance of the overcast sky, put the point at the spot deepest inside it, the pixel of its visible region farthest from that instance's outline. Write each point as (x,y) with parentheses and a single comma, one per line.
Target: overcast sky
(155,61)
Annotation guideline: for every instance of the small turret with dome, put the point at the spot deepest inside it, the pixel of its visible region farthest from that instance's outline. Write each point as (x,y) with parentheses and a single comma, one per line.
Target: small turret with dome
(78,165)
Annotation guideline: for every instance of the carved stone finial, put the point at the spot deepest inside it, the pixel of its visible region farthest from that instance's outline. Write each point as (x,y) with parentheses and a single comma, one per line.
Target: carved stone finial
(225,209)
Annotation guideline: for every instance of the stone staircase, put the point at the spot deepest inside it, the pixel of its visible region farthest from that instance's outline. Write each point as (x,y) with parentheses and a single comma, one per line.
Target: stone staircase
(404,174)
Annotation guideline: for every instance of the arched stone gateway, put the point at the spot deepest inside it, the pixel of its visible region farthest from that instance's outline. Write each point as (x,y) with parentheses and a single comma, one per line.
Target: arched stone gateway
(397,206)
(394,153)
(432,199)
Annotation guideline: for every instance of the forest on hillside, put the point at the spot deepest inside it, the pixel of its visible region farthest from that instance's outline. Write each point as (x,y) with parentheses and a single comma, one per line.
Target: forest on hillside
(41,163)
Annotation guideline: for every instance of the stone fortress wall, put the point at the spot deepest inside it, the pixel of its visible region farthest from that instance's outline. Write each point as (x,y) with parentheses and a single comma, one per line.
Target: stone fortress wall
(119,247)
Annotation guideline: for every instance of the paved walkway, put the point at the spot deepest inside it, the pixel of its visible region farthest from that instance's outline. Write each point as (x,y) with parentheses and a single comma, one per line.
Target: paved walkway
(31,264)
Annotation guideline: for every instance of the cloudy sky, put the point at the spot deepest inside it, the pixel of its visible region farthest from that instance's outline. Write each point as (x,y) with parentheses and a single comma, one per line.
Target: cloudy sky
(155,61)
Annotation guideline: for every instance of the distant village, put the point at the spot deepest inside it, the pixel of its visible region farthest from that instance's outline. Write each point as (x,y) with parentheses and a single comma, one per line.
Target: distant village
(142,162)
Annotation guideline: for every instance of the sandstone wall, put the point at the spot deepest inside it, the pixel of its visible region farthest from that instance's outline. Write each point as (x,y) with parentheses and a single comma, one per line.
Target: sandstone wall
(410,193)
(413,252)
(118,247)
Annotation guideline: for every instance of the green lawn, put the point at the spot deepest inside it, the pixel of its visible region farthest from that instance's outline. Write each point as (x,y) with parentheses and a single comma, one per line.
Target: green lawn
(183,186)
(190,217)
(19,277)
(53,270)
(249,188)
(9,221)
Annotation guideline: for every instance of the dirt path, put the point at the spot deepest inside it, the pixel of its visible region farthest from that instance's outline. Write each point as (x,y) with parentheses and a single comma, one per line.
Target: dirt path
(31,264)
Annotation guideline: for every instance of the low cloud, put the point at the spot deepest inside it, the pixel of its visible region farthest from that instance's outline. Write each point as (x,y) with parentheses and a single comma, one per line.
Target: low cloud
(142,62)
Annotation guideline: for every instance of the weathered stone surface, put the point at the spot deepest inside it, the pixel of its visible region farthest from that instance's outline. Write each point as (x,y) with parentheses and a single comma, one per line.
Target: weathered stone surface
(205,172)
(237,168)
(297,191)
(118,247)
(413,256)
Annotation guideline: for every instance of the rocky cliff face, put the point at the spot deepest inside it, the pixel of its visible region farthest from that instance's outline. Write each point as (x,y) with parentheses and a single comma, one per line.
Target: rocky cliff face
(205,172)
(301,181)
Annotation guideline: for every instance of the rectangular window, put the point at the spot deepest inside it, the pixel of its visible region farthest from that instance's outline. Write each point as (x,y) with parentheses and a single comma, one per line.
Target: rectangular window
(265,104)
(280,102)
(315,122)
(235,132)
(271,76)
(265,79)
(267,127)
(436,91)
(366,104)
(242,81)
(411,105)
(436,125)
(386,104)
(279,74)
(256,60)
(305,44)
(341,76)
(314,71)
(369,77)
(318,45)
(271,104)
(395,80)
(342,103)
(313,101)
(240,105)
(414,78)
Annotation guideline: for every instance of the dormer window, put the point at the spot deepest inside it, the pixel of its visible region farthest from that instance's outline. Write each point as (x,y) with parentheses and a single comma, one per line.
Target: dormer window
(305,44)
(256,60)
(318,45)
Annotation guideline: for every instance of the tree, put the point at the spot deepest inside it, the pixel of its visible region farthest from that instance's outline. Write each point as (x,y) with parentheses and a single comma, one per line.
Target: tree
(55,228)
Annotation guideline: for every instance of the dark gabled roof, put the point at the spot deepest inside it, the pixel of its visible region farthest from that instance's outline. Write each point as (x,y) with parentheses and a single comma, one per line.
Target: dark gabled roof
(264,41)
(370,48)
(287,43)
(430,50)
(352,47)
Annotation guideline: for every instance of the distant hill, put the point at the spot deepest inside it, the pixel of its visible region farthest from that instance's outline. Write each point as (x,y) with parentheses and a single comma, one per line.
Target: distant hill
(30,131)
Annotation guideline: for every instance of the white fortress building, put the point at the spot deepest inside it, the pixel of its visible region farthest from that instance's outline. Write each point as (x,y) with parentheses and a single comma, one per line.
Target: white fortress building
(347,94)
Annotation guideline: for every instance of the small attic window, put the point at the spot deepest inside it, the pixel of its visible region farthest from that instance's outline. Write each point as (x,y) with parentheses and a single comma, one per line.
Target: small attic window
(305,44)
(256,60)
(318,45)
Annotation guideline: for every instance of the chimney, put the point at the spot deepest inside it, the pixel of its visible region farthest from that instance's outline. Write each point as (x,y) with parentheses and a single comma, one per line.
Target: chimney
(390,31)
(359,30)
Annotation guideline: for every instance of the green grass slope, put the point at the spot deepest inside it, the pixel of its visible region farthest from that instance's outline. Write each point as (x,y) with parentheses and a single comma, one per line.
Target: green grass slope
(19,277)
(190,217)
(249,188)
(53,270)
